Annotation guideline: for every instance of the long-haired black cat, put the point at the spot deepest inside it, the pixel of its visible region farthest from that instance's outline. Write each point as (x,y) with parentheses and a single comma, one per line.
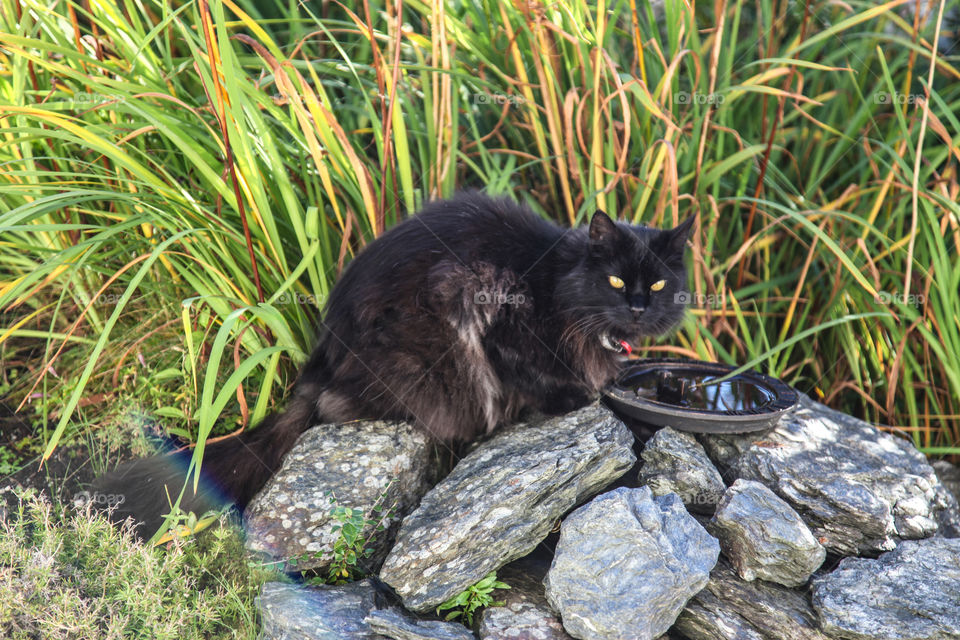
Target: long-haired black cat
(456,319)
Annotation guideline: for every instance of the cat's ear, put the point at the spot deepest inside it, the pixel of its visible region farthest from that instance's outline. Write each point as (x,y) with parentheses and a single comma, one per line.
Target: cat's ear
(602,230)
(677,237)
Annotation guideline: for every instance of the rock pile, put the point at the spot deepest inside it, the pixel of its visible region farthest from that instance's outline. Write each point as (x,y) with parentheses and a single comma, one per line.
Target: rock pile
(821,528)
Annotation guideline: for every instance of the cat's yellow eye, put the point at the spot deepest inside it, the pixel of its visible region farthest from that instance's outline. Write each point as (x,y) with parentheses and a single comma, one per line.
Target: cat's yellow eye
(659,284)
(616,282)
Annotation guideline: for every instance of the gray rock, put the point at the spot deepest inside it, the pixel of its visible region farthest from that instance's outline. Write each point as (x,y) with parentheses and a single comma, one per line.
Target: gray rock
(292,612)
(949,476)
(729,608)
(949,490)
(525,614)
(724,449)
(948,519)
(521,621)
(363,464)
(626,564)
(398,626)
(763,537)
(501,500)
(674,461)
(911,593)
(857,488)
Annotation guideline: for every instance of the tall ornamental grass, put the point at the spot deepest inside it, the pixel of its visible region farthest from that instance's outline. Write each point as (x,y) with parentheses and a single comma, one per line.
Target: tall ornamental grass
(182,183)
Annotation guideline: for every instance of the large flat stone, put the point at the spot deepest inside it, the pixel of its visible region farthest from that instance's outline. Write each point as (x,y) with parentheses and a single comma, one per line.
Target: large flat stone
(360,465)
(911,593)
(502,499)
(729,608)
(398,626)
(293,612)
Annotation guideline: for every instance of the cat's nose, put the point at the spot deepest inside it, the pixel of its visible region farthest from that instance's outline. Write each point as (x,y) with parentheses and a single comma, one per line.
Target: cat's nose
(637,303)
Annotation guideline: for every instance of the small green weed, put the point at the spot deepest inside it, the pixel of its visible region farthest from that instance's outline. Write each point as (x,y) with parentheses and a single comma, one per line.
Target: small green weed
(350,545)
(357,530)
(474,597)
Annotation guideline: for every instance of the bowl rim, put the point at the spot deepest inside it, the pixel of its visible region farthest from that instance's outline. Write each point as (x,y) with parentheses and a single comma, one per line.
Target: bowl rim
(784,399)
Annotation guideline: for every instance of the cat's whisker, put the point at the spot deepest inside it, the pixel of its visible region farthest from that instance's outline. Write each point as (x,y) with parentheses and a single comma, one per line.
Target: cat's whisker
(580,326)
(582,329)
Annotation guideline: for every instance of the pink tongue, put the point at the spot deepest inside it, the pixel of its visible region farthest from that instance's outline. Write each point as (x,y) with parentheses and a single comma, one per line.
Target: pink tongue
(626,346)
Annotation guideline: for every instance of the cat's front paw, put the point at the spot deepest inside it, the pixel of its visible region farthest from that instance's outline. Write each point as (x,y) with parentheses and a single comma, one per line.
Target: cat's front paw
(565,401)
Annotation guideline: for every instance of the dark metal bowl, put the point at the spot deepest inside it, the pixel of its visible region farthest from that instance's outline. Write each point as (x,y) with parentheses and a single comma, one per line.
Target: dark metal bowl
(671,393)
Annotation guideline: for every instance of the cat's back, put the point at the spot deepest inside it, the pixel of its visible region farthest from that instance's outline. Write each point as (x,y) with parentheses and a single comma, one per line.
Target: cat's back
(469,228)
(475,216)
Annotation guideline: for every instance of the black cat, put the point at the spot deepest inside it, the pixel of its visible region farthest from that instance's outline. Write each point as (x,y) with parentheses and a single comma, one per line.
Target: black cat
(456,319)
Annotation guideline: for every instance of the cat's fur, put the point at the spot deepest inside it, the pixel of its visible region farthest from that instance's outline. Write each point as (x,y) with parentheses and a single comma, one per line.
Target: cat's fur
(457,319)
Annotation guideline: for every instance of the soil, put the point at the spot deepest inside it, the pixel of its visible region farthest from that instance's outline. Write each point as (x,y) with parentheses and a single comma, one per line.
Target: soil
(63,477)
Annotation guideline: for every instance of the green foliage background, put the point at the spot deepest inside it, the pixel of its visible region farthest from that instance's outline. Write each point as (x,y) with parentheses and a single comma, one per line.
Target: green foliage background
(181,183)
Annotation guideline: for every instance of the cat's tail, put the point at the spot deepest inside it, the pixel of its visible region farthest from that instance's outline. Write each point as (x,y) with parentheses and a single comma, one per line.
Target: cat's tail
(233,471)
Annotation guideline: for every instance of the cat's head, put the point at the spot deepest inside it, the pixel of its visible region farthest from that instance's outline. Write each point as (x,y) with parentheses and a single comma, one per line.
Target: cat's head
(631,283)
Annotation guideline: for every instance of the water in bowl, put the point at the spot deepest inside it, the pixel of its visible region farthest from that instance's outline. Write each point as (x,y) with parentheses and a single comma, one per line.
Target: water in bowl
(690,390)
